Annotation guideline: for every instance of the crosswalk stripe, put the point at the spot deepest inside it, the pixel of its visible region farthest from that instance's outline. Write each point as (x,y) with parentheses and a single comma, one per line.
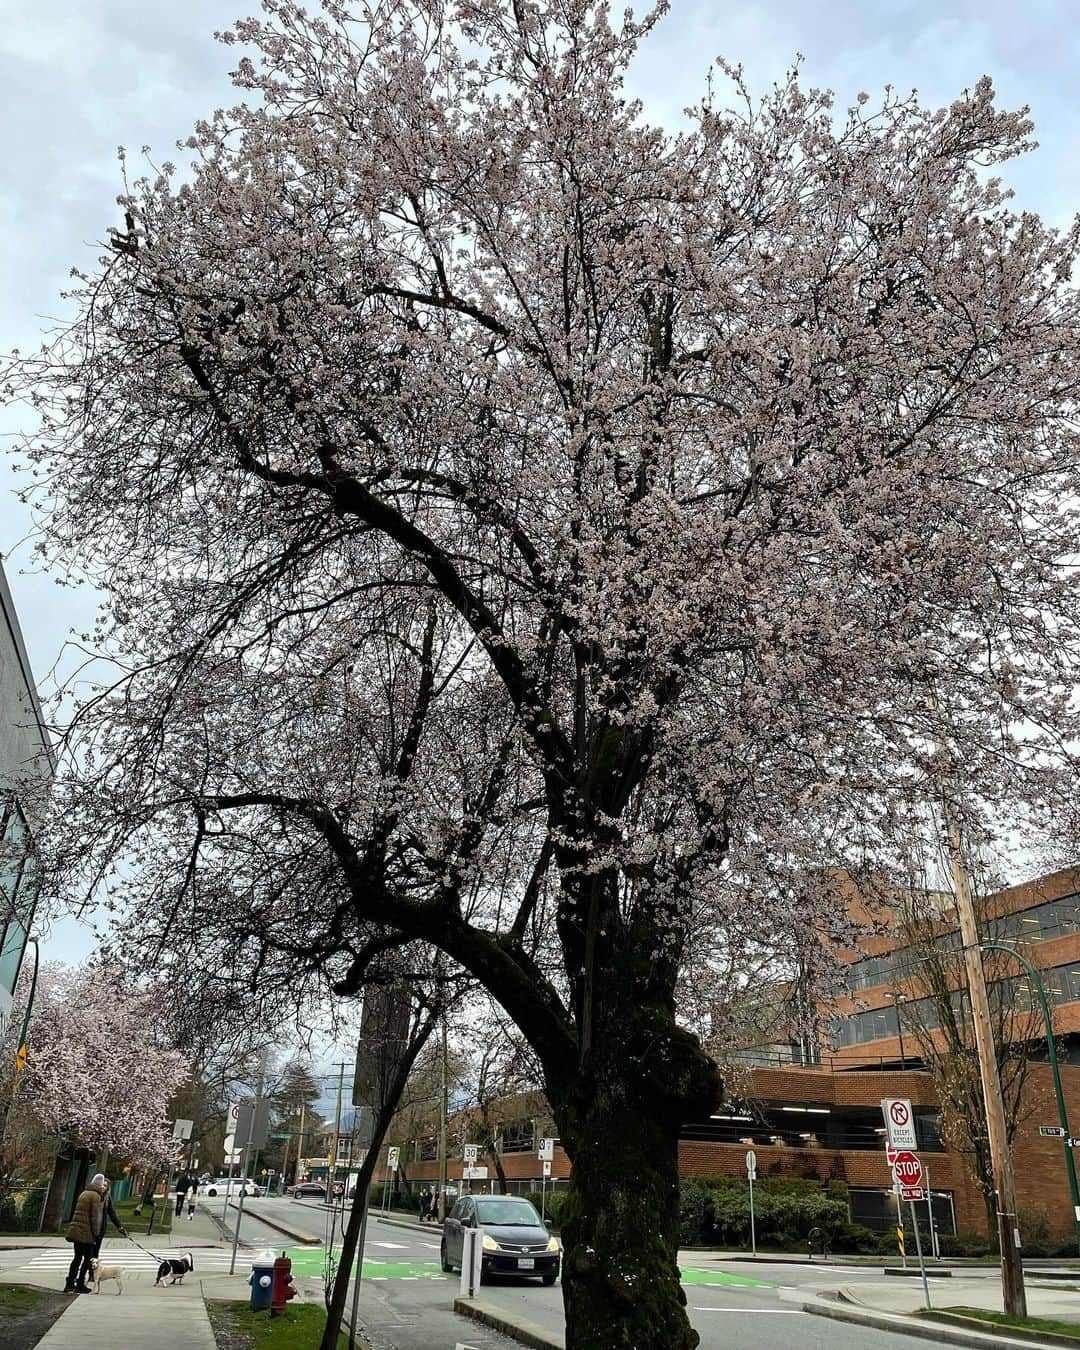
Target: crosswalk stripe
(128,1259)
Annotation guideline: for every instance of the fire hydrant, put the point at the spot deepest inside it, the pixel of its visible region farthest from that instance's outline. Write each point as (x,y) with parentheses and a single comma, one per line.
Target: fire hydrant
(283,1289)
(261,1280)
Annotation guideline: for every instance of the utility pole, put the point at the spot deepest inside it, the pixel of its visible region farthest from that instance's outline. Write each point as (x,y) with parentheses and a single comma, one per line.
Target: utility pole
(1012,1271)
(444,1111)
(337,1132)
(300,1141)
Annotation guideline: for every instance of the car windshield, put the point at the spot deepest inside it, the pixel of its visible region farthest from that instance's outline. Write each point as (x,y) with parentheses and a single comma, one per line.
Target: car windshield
(511,1213)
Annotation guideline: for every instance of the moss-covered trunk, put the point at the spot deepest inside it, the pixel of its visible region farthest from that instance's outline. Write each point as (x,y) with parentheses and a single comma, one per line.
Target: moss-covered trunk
(620,1230)
(619,1119)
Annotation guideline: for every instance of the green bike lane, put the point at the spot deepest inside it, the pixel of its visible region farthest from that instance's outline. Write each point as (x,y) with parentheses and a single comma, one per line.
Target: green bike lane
(312,1261)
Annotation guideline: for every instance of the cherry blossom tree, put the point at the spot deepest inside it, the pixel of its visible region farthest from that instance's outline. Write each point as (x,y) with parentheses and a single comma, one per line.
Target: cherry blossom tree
(99,1072)
(531,536)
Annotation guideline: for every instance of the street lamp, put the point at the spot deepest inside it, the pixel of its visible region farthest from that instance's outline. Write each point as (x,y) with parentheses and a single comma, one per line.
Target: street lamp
(898,997)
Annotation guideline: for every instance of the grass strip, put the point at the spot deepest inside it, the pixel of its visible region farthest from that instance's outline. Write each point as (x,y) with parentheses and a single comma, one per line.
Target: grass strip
(1035,1327)
(300,1327)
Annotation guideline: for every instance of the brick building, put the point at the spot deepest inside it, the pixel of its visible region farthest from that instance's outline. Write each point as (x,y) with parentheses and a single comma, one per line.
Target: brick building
(809,1112)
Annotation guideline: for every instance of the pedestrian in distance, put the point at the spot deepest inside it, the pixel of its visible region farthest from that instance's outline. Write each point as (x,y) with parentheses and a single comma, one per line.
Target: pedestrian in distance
(83,1231)
(425,1203)
(183,1185)
(107,1212)
(433,1206)
(192,1195)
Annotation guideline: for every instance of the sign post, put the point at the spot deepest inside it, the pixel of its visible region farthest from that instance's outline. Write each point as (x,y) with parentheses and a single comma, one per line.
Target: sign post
(751,1176)
(890,1155)
(908,1172)
(546,1154)
(935,1251)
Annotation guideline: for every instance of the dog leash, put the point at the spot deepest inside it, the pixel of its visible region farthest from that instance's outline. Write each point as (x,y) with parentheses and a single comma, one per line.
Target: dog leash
(141,1248)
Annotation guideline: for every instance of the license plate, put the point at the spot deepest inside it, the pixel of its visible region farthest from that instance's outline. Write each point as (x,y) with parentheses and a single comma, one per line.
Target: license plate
(526,1263)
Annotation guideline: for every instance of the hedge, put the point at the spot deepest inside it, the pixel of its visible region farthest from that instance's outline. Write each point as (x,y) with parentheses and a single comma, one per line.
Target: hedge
(715,1211)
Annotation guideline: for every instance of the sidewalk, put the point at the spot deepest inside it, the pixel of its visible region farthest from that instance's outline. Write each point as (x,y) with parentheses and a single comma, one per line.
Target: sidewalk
(906,1296)
(167,1319)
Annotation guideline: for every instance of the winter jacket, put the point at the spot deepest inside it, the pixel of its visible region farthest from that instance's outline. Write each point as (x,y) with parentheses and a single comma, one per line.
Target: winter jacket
(108,1212)
(86,1220)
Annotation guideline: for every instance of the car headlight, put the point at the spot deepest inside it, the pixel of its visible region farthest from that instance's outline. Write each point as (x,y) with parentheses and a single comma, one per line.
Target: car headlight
(553,1244)
(490,1245)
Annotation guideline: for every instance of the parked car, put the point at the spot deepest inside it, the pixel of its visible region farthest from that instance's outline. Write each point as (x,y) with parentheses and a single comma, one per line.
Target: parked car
(220,1186)
(303,1188)
(516,1240)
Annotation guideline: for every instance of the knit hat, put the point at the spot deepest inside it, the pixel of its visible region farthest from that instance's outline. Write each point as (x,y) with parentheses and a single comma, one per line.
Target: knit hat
(98,1182)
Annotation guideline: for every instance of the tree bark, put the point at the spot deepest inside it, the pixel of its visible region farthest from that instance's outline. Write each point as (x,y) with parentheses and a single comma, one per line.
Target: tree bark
(619,1120)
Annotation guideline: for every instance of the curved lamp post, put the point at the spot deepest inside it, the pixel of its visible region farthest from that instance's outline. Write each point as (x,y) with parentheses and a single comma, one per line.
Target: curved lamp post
(1036,981)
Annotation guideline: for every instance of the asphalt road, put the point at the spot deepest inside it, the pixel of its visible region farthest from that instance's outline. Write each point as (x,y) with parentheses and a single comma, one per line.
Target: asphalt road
(405,1299)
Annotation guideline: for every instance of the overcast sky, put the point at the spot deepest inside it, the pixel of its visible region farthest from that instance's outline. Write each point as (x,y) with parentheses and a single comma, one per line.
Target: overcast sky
(80,77)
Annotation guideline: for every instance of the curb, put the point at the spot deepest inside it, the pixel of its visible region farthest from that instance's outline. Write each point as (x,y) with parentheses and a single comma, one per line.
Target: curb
(409,1223)
(1029,1337)
(305,1239)
(938,1272)
(924,1330)
(527,1333)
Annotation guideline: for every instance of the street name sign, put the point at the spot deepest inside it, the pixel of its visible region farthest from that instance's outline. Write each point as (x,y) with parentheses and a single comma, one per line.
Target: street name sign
(1052,1131)
(899,1122)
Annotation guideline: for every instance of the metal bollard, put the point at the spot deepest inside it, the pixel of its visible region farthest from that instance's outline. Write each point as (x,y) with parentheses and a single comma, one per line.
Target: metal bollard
(472,1261)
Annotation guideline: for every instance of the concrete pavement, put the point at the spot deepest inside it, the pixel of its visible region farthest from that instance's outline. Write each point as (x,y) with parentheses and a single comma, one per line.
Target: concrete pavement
(144,1318)
(906,1296)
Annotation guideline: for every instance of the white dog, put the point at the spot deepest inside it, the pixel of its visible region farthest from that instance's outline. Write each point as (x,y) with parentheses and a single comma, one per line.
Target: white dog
(108,1273)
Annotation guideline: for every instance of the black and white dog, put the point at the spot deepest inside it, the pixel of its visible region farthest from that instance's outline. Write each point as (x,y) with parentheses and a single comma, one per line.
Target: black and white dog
(177,1267)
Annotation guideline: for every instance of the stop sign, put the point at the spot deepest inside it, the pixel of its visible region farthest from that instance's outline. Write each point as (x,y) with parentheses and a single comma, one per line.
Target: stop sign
(907,1169)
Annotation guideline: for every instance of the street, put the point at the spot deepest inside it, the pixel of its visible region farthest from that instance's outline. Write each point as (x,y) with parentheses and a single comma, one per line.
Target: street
(406,1300)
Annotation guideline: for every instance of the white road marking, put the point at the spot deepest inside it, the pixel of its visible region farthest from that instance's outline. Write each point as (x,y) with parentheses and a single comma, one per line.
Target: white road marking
(391,1246)
(56,1258)
(765,1312)
(434,1246)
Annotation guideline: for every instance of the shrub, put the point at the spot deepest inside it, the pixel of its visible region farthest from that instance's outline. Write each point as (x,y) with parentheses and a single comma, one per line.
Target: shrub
(692,1213)
(853,1237)
(1035,1232)
(554,1202)
(963,1244)
(785,1211)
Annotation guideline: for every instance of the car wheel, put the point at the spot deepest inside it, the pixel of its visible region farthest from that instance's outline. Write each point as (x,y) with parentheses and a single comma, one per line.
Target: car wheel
(212,1191)
(550,1276)
(447,1267)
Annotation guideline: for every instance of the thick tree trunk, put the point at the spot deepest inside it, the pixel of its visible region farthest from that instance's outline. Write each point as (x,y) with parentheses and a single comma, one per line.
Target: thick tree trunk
(620,1229)
(619,1120)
